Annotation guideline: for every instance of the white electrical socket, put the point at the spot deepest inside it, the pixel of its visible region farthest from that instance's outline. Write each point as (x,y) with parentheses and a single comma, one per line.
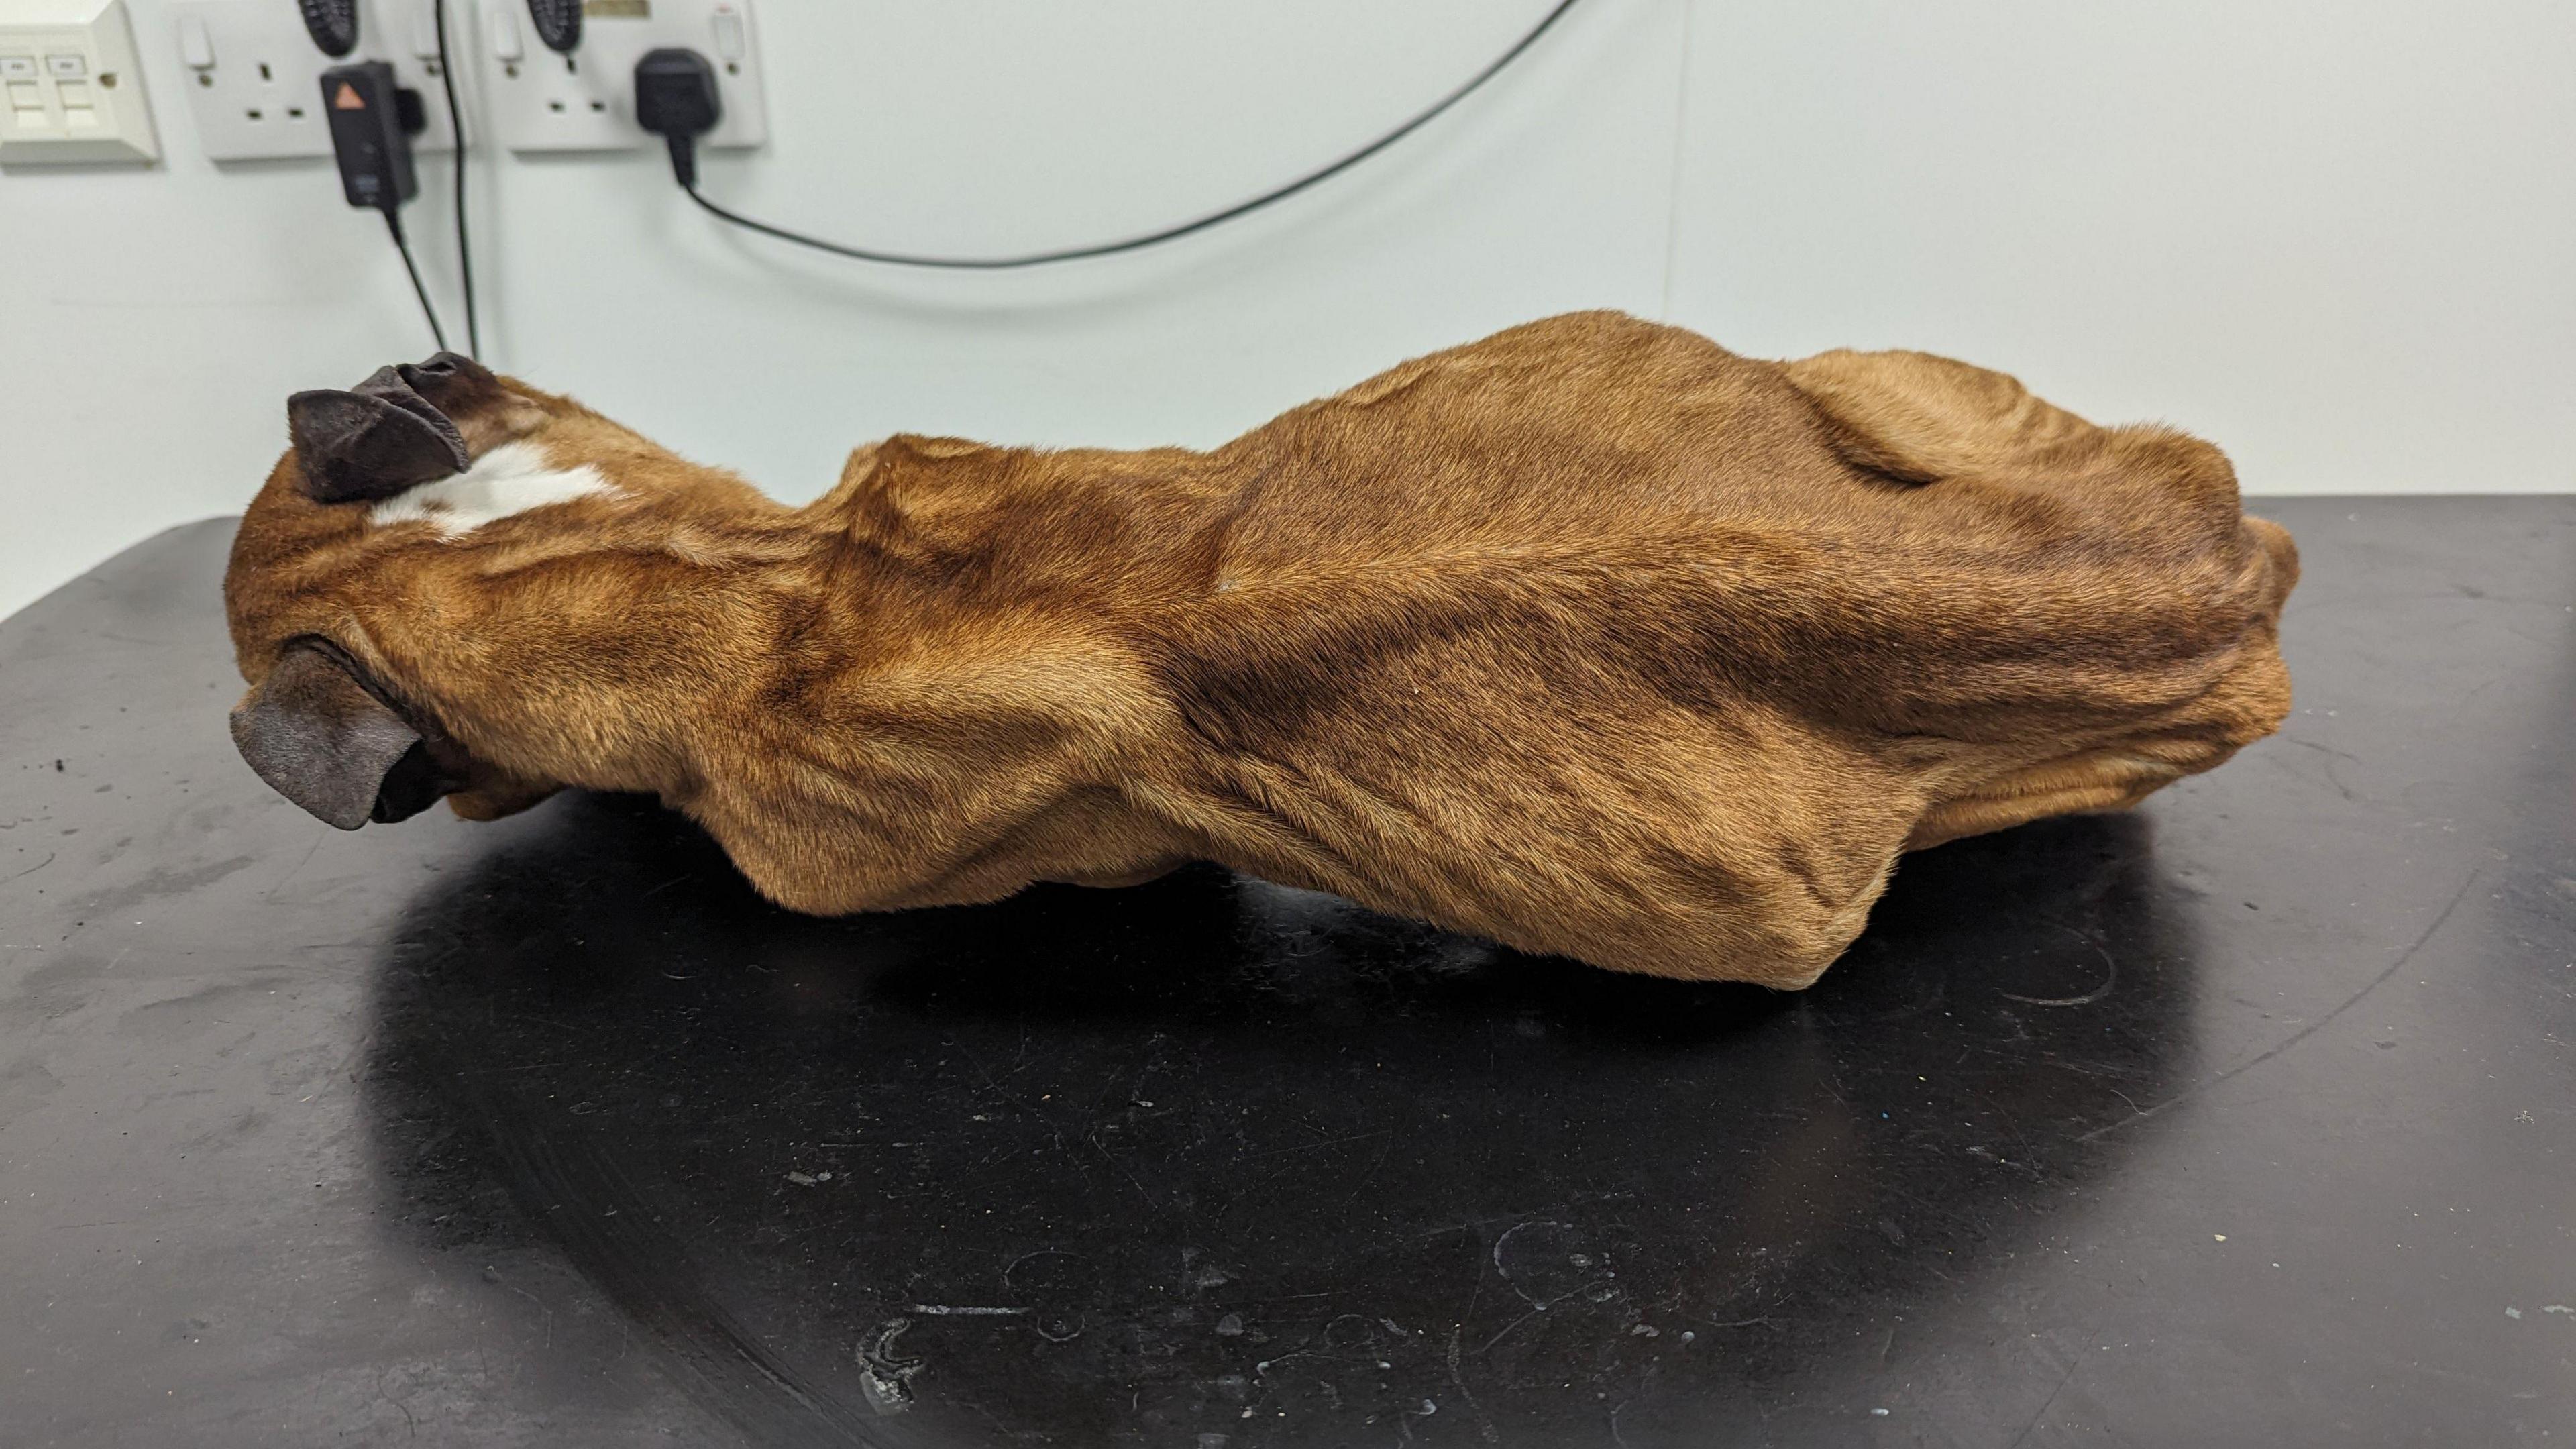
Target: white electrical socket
(585,101)
(254,77)
(69,88)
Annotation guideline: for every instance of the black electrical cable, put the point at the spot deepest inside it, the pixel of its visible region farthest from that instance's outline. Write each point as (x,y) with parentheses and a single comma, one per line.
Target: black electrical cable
(685,171)
(393,223)
(456,128)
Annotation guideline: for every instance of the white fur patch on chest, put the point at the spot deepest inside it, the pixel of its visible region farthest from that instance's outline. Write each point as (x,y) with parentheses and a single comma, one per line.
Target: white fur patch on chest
(512,478)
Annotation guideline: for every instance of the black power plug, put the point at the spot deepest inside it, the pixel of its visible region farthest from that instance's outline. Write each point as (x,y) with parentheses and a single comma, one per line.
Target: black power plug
(368,135)
(372,122)
(372,119)
(676,99)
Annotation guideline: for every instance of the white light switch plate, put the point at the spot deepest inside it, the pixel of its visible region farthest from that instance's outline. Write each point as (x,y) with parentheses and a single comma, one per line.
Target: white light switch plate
(254,77)
(585,101)
(69,88)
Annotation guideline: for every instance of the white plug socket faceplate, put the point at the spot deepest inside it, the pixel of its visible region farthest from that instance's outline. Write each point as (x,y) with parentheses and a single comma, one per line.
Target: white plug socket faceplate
(254,77)
(585,101)
(70,90)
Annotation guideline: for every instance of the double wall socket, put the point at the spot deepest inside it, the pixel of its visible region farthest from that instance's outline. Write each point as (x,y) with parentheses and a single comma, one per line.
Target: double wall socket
(585,101)
(254,77)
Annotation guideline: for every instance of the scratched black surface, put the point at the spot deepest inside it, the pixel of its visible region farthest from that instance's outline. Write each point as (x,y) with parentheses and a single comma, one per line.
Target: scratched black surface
(2244,1119)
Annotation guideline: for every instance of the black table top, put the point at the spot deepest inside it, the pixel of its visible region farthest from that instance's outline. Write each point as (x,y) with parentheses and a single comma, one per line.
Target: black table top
(2249,1118)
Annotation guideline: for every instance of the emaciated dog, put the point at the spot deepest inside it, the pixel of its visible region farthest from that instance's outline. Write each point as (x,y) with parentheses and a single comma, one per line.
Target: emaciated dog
(1591,638)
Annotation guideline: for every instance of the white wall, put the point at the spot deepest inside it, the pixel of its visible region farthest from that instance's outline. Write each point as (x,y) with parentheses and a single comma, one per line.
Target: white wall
(2336,238)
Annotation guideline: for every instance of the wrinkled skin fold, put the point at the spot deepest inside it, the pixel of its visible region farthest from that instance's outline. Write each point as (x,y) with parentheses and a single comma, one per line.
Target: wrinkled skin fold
(1591,638)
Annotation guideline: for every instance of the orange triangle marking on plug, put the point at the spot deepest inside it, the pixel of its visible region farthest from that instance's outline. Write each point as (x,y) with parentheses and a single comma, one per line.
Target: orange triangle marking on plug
(347,98)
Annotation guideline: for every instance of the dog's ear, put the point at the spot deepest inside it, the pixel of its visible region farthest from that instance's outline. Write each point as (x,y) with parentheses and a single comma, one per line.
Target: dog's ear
(317,736)
(372,441)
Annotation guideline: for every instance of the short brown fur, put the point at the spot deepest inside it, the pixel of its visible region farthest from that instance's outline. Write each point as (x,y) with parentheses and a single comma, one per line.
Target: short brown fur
(1591,638)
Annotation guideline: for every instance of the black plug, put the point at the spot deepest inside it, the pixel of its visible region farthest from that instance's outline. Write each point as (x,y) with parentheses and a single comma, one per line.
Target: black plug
(371,126)
(368,138)
(675,99)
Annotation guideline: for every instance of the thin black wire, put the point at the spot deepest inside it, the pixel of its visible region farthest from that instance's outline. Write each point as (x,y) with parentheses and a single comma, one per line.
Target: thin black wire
(1170,233)
(456,127)
(393,224)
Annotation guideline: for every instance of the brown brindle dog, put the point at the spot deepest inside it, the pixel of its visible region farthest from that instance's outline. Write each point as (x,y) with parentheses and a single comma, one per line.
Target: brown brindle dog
(1591,638)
